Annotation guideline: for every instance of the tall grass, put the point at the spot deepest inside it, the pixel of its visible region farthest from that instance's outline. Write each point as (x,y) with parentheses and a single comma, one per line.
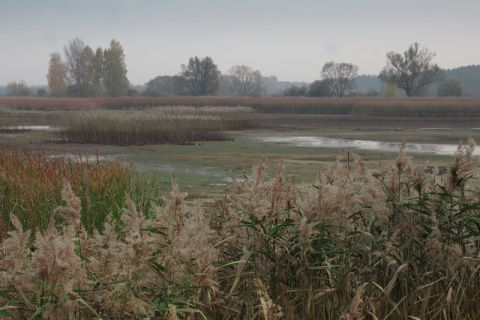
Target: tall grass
(397,107)
(31,185)
(174,125)
(401,245)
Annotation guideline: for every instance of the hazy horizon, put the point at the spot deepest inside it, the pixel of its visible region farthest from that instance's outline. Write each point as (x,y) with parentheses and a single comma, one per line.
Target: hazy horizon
(291,40)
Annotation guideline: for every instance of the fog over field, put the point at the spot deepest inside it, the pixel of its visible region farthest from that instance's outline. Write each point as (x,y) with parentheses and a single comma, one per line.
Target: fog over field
(289,39)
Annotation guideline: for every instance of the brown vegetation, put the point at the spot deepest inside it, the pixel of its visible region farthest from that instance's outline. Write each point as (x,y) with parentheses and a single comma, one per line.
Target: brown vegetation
(31,185)
(403,244)
(397,107)
(175,125)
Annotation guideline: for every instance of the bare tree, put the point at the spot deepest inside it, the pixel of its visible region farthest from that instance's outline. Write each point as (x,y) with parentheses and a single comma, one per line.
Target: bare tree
(80,63)
(56,76)
(200,77)
(413,71)
(340,77)
(246,81)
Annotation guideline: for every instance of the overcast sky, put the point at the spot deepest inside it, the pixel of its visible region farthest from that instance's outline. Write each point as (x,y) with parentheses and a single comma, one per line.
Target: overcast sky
(291,39)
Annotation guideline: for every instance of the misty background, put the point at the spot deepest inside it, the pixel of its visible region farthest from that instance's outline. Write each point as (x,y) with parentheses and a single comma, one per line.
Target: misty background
(285,40)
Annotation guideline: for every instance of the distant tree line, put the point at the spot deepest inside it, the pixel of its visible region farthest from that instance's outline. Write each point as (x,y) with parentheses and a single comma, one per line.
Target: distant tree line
(412,72)
(83,72)
(18,88)
(201,77)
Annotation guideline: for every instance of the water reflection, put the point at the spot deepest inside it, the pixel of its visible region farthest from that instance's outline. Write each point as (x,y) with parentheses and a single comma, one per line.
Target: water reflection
(33,128)
(307,141)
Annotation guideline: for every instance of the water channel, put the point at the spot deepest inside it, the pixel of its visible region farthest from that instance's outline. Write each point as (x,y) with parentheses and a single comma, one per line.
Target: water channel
(322,142)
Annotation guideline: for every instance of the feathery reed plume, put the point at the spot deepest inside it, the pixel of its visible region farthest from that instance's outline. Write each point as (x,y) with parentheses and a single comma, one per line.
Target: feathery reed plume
(72,212)
(56,267)
(195,256)
(14,257)
(172,312)
(355,311)
(461,170)
(270,310)
(251,193)
(175,207)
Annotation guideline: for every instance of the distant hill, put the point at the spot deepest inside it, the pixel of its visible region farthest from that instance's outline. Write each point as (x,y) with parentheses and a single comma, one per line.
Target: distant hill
(368,84)
(271,86)
(469,78)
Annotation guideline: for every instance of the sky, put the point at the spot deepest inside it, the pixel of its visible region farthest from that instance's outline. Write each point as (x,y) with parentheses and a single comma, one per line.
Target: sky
(289,39)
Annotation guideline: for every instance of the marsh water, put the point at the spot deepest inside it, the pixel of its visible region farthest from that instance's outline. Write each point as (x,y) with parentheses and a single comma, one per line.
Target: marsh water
(28,127)
(322,142)
(315,141)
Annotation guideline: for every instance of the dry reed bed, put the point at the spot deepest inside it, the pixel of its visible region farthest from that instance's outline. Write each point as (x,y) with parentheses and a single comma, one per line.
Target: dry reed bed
(397,107)
(401,245)
(175,125)
(49,104)
(388,107)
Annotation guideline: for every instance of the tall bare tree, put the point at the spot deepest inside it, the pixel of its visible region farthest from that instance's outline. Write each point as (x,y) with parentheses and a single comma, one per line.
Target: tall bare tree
(340,77)
(57,75)
(246,81)
(200,77)
(80,63)
(115,70)
(413,71)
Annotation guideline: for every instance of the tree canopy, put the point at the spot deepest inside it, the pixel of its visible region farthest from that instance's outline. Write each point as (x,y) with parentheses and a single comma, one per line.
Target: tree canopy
(319,88)
(56,76)
(295,91)
(87,73)
(246,81)
(80,64)
(413,71)
(340,77)
(18,88)
(163,86)
(114,70)
(200,77)
(450,88)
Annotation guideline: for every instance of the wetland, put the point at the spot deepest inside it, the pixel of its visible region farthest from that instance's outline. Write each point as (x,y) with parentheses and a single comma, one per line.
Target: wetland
(305,143)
